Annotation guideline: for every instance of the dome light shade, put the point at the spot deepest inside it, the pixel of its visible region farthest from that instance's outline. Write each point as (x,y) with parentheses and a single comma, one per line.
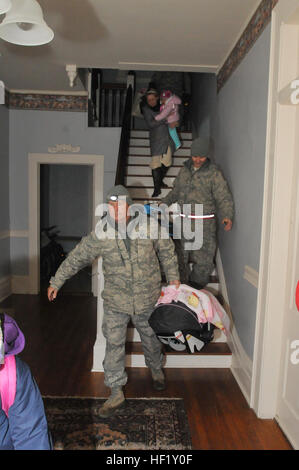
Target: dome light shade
(24,24)
(5,5)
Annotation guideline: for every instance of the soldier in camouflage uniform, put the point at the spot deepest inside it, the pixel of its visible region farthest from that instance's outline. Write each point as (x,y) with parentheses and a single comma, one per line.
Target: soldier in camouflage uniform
(201,182)
(132,286)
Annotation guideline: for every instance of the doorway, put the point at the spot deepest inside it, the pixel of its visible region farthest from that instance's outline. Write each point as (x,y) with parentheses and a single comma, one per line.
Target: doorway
(66,209)
(95,173)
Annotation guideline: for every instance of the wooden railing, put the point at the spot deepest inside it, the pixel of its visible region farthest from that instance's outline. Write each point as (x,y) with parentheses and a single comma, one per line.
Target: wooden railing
(124,139)
(112,103)
(106,101)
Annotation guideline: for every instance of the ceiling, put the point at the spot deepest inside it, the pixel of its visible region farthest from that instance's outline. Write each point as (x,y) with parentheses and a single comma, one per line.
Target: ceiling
(182,35)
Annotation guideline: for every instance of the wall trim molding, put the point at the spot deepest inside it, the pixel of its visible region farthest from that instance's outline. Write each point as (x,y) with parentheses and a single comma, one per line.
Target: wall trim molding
(252,32)
(64,148)
(4,234)
(242,365)
(13,285)
(46,100)
(5,287)
(13,234)
(20,285)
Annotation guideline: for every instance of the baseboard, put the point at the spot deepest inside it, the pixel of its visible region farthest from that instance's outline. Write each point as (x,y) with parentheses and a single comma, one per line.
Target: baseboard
(20,285)
(5,287)
(241,365)
(181,361)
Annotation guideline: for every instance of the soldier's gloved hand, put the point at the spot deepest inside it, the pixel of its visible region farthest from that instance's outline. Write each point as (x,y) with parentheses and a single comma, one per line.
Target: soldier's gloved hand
(227,224)
(175,283)
(52,293)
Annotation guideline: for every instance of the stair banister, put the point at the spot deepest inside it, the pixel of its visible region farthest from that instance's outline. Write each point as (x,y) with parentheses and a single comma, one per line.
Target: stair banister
(124,139)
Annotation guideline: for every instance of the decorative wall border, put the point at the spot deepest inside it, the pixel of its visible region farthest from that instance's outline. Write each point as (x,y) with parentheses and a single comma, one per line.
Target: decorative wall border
(254,29)
(47,102)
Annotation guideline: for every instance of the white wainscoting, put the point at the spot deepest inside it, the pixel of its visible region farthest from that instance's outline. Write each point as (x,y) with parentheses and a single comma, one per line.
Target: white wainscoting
(241,363)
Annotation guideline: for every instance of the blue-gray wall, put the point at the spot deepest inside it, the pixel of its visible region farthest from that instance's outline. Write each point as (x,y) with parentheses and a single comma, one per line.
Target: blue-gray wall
(203,104)
(35,131)
(4,192)
(240,140)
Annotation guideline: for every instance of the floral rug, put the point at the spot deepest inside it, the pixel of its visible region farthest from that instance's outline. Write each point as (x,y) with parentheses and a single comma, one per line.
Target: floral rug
(143,424)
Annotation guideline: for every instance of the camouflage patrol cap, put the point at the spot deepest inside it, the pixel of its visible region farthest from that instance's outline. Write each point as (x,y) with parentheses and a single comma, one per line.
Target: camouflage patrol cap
(200,147)
(119,190)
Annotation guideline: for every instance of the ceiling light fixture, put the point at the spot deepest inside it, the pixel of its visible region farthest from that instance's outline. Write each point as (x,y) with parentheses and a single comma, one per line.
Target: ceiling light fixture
(5,5)
(24,24)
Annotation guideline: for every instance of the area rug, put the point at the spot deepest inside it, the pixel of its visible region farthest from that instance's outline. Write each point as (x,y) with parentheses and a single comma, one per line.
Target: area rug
(143,424)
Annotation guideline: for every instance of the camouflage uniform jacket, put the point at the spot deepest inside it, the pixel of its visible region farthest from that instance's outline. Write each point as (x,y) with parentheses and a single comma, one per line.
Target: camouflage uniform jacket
(205,186)
(132,280)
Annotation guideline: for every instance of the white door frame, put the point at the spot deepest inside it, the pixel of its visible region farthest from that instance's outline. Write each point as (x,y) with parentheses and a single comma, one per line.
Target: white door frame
(34,162)
(276,217)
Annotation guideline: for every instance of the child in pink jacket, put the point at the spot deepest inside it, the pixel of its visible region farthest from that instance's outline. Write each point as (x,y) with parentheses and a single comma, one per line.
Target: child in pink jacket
(169,110)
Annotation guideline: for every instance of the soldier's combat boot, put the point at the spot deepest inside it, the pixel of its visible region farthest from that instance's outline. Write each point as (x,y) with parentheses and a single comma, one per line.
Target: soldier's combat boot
(115,402)
(158,379)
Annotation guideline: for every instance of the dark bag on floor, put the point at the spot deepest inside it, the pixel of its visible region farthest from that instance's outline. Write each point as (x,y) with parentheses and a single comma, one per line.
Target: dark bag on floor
(177,326)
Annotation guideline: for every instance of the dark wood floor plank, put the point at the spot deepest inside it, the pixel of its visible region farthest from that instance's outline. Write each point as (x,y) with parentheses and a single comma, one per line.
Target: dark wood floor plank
(59,349)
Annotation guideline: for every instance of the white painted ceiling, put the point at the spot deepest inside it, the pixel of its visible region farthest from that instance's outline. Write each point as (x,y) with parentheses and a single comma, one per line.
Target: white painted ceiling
(185,35)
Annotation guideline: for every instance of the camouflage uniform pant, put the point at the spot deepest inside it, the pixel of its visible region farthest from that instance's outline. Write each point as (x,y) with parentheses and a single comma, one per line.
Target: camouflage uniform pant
(202,261)
(114,329)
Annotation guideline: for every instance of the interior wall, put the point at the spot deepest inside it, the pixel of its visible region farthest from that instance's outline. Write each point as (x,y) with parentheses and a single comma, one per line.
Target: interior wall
(4,193)
(33,131)
(203,105)
(240,139)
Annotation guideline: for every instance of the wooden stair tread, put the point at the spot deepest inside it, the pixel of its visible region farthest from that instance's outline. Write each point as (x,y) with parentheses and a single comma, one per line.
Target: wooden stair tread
(148,155)
(147,147)
(144,187)
(213,349)
(145,164)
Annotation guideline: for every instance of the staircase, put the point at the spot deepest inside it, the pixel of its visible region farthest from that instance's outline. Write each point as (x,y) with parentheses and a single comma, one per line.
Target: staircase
(139,182)
(139,179)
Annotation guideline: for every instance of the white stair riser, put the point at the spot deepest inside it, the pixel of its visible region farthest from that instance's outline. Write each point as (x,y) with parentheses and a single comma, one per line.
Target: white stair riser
(146,143)
(147,151)
(189,361)
(146,170)
(146,181)
(133,336)
(146,159)
(145,193)
(145,134)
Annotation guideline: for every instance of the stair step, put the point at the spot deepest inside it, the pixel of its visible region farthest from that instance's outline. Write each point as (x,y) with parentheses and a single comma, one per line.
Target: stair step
(135,133)
(146,181)
(213,355)
(142,170)
(181,152)
(146,159)
(145,193)
(208,349)
(134,337)
(141,142)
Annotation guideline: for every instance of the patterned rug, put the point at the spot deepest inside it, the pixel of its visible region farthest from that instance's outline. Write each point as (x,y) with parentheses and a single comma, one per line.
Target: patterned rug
(144,424)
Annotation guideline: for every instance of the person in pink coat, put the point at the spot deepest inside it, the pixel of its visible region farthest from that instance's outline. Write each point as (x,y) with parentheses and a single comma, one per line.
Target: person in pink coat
(169,110)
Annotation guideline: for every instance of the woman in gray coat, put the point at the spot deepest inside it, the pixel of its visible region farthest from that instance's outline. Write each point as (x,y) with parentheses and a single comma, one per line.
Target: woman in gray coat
(161,144)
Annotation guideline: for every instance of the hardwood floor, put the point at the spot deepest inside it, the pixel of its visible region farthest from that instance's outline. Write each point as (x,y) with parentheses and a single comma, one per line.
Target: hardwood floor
(59,347)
